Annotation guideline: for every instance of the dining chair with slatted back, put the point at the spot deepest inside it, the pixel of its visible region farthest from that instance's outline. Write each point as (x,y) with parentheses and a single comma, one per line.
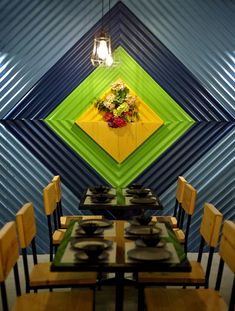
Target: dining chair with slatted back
(209,232)
(174,219)
(64,220)
(188,207)
(50,208)
(40,276)
(9,255)
(203,299)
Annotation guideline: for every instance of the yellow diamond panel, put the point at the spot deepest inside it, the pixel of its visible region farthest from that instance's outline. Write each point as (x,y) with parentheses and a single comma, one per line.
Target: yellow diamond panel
(120,142)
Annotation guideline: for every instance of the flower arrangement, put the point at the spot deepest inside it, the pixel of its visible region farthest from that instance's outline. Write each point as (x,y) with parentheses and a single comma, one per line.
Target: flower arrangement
(118,105)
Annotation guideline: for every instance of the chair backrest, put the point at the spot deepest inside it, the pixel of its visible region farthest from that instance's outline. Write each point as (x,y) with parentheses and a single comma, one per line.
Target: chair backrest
(209,230)
(227,255)
(9,251)
(211,224)
(49,198)
(9,254)
(227,244)
(189,199)
(26,226)
(181,182)
(56,180)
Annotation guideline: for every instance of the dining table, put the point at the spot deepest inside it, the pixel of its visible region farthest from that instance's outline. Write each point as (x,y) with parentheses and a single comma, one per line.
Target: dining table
(124,251)
(122,203)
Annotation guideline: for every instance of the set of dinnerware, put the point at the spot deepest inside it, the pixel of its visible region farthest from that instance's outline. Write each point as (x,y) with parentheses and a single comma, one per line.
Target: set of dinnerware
(89,242)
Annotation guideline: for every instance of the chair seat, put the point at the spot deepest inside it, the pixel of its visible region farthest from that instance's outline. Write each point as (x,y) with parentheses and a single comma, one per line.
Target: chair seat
(162,299)
(180,235)
(55,301)
(195,277)
(172,220)
(41,275)
(58,236)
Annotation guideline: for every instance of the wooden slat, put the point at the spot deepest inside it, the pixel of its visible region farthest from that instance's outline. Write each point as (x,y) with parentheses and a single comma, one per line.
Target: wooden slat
(57,301)
(211,224)
(57,182)
(163,299)
(26,225)
(227,245)
(189,199)
(49,197)
(180,188)
(9,252)
(58,236)
(196,276)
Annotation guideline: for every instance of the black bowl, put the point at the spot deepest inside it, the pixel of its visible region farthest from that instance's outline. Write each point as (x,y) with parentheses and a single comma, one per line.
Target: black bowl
(89,227)
(93,251)
(101,197)
(142,193)
(143,220)
(151,239)
(136,186)
(100,189)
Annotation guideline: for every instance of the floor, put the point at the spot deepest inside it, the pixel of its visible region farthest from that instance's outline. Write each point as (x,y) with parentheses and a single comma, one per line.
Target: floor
(106,296)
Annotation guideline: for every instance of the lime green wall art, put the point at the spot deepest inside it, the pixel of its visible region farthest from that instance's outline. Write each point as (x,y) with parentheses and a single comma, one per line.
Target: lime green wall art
(176,120)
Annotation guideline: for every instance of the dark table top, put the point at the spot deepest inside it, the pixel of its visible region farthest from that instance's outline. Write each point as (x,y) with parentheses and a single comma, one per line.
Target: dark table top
(117,260)
(122,201)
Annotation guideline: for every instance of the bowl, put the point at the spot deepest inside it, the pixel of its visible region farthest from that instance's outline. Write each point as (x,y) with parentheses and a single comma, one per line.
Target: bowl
(89,227)
(142,193)
(101,197)
(93,251)
(151,240)
(136,186)
(143,220)
(100,189)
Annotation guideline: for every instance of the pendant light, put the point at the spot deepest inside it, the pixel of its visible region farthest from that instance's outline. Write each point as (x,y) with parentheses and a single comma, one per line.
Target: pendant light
(102,51)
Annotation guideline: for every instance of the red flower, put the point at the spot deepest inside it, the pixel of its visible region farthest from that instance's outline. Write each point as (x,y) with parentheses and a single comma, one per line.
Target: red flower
(119,122)
(108,116)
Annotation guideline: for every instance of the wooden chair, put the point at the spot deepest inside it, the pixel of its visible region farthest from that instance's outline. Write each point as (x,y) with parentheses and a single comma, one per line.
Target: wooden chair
(203,299)
(40,275)
(174,219)
(43,301)
(188,207)
(209,231)
(50,207)
(65,220)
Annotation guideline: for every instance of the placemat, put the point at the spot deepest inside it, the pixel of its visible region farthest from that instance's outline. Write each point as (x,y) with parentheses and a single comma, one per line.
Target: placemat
(108,232)
(109,202)
(169,246)
(69,255)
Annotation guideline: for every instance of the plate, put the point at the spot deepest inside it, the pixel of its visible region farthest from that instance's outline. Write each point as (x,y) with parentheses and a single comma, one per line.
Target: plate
(101,223)
(95,200)
(140,243)
(149,254)
(143,230)
(84,242)
(82,256)
(136,191)
(99,189)
(143,200)
(98,231)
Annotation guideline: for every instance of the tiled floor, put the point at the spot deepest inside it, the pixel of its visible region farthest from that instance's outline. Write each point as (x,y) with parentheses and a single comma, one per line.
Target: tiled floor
(106,296)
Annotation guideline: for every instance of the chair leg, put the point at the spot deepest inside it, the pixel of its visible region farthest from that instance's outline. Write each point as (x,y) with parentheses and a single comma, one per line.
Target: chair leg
(140,298)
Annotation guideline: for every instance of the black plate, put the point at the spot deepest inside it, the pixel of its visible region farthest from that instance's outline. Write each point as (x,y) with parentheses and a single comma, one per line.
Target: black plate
(143,200)
(99,189)
(83,257)
(101,223)
(84,242)
(143,230)
(136,191)
(95,200)
(149,254)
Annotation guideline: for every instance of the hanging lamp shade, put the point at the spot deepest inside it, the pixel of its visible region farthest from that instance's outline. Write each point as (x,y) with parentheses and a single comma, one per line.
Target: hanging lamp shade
(102,52)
